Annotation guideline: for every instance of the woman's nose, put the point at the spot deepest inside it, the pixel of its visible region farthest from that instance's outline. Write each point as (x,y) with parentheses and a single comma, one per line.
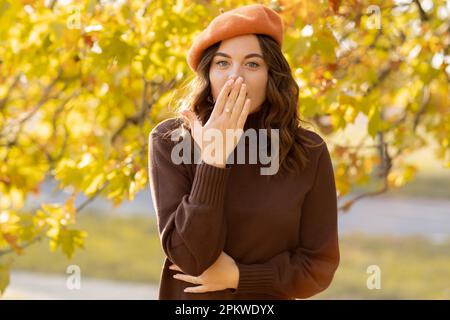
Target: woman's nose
(235,77)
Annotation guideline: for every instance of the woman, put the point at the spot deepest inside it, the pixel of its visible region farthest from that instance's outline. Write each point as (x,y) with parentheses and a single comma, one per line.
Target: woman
(228,231)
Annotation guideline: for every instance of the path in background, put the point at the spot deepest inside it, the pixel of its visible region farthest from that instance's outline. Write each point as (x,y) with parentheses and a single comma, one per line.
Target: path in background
(31,285)
(398,216)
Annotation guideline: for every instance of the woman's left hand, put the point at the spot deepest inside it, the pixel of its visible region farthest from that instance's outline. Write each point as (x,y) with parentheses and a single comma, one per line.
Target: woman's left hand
(221,275)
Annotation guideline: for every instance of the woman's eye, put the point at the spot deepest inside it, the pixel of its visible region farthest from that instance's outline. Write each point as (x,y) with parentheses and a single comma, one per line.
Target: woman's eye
(219,62)
(223,63)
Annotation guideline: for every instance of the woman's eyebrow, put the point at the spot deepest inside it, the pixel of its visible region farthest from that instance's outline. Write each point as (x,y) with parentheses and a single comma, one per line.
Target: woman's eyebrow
(247,56)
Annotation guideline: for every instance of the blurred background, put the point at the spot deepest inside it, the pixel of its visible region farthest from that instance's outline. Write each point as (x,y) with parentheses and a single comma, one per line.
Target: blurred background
(82,83)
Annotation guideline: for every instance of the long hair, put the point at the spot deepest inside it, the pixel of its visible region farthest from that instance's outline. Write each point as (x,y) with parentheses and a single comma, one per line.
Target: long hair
(280,108)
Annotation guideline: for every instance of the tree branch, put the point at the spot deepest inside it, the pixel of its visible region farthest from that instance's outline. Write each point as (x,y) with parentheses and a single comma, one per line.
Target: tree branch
(423,14)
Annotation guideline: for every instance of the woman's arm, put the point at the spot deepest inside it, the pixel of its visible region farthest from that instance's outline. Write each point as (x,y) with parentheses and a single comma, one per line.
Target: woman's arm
(190,214)
(309,268)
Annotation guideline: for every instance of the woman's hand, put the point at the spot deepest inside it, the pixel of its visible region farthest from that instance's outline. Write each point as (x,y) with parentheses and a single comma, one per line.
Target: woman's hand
(223,274)
(230,112)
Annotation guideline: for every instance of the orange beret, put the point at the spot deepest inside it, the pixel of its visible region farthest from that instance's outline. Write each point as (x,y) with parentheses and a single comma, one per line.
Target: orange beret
(250,19)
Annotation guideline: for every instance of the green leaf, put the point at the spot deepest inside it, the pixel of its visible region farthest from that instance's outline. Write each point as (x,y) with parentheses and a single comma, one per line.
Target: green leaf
(374,121)
(5,271)
(70,240)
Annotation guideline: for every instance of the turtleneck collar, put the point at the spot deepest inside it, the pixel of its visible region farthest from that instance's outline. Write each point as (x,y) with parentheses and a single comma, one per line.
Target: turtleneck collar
(253,120)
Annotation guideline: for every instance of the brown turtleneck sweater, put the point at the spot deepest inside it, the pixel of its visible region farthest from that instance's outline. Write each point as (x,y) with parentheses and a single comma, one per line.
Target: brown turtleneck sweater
(282,232)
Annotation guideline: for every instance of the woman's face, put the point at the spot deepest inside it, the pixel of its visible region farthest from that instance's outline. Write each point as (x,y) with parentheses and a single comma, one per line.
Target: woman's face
(240,56)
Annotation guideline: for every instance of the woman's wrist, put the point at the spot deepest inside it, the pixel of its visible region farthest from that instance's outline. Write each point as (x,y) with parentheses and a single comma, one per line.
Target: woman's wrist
(235,277)
(220,164)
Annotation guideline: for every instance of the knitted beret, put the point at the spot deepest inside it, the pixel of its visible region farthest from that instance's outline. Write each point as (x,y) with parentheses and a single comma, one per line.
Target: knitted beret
(250,19)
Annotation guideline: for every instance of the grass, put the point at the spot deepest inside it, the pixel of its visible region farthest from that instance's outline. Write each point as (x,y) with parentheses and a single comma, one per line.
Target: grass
(411,268)
(429,185)
(118,248)
(432,185)
(128,248)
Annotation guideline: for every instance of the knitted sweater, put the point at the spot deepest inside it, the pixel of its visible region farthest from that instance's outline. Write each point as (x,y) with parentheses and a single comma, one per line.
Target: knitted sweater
(281,232)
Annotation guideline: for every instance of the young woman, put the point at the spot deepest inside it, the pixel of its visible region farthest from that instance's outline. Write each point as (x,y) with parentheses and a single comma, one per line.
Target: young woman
(228,231)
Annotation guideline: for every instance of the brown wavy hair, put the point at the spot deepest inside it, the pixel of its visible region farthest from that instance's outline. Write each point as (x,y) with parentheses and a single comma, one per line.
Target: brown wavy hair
(279,110)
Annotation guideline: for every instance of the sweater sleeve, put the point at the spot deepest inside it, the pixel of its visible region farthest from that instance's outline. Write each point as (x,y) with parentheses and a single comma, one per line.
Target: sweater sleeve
(189,213)
(309,268)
